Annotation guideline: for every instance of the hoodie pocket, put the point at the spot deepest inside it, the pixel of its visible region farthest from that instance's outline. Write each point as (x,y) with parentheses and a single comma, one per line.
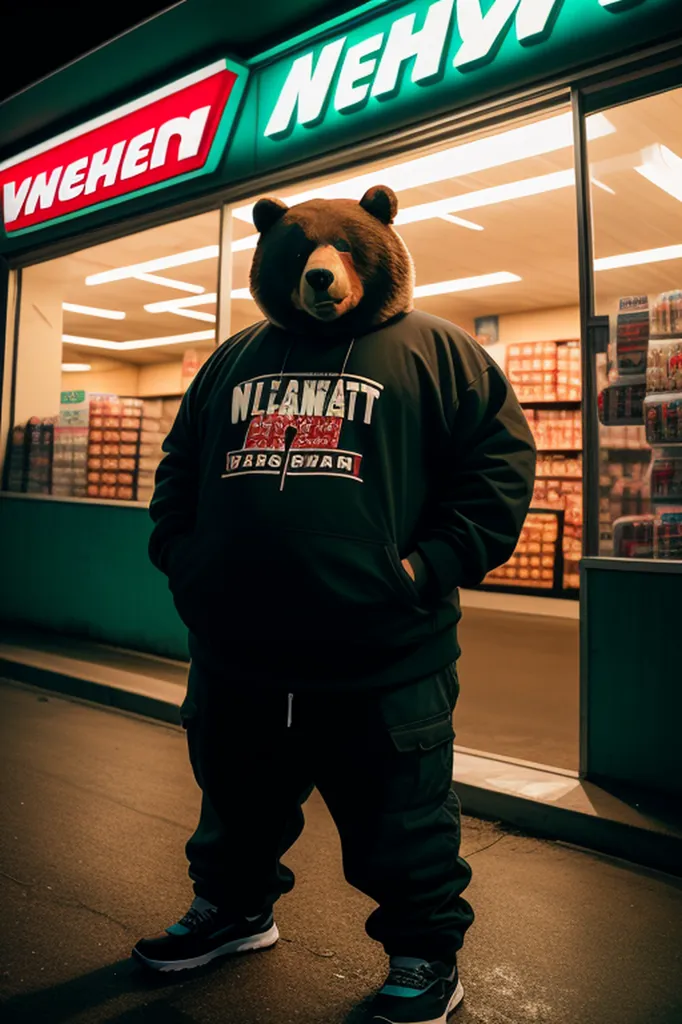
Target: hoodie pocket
(287,585)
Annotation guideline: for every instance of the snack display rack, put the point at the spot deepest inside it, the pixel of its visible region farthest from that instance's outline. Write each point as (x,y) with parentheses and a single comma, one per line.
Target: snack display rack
(546,377)
(101,446)
(648,365)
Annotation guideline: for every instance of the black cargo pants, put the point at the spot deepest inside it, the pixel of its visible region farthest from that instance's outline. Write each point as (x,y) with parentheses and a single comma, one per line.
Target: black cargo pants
(382,762)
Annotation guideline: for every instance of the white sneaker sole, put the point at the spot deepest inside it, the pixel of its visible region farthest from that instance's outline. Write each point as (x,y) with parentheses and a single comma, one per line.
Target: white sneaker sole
(457,997)
(244,945)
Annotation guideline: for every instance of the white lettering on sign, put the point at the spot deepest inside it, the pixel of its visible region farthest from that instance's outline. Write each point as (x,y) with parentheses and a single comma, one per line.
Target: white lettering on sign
(104,168)
(305,89)
(188,129)
(362,73)
(356,73)
(481,32)
(72,180)
(425,45)
(136,159)
(125,159)
(42,191)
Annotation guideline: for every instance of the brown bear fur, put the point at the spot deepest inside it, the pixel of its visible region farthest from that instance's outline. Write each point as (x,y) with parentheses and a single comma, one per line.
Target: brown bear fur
(356,239)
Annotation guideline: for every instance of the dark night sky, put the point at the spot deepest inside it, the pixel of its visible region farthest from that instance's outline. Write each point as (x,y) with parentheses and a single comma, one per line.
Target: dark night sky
(45,36)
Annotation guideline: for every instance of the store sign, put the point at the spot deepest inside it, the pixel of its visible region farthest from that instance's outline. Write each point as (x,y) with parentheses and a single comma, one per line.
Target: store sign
(422,56)
(170,135)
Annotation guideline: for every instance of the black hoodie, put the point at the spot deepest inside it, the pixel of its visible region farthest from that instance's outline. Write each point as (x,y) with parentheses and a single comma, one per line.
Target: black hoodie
(298,475)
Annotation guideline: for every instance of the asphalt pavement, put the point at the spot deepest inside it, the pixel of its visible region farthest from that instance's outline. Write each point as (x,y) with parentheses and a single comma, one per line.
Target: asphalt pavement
(95,808)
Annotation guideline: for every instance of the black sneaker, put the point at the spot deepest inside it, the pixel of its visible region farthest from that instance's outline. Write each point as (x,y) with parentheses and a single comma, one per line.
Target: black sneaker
(204,934)
(417,992)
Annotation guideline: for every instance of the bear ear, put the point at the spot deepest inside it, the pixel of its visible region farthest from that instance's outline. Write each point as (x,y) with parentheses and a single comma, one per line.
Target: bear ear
(267,212)
(382,202)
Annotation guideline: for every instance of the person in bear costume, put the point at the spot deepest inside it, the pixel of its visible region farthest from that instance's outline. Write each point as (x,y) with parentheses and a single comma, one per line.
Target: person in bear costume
(335,473)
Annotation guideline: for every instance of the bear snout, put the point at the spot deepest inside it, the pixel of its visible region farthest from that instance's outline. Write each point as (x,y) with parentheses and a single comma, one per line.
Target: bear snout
(329,285)
(320,279)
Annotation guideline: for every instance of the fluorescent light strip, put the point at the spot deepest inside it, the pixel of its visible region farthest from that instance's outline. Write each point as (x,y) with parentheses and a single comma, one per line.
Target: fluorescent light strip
(168,282)
(638,259)
(465,284)
(663,168)
(193,314)
(487,197)
(508,147)
(170,305)
(76,367)
(460,222)
(180,259)
(113,115)
(248,242)
(107,314)
(128,346)
(240,293)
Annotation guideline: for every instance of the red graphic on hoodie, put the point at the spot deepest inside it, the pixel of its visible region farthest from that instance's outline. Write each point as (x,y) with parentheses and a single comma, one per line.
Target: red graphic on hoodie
(311,432)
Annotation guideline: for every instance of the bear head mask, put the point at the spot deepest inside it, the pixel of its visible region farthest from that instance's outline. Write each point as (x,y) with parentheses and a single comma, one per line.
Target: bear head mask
(331,267)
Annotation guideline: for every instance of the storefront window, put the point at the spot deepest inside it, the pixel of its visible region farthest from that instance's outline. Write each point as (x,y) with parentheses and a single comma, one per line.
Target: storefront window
(490,220)
(109,339)
(638,285)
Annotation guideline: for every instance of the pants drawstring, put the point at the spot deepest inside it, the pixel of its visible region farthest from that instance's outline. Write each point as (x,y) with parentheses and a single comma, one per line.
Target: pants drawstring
(290,708)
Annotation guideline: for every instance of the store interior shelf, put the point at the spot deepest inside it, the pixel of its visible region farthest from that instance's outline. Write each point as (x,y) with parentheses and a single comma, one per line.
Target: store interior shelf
(558,451)
(557,476)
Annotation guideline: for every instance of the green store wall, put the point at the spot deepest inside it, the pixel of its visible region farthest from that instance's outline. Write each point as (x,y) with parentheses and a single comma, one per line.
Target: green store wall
(632,678)
(82,568)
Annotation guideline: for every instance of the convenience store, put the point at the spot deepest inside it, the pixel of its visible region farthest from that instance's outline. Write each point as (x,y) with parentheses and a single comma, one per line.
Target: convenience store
(536,150)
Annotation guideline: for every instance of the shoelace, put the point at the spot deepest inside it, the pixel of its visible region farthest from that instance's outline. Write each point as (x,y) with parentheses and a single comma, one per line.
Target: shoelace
(411,977)
(195,917)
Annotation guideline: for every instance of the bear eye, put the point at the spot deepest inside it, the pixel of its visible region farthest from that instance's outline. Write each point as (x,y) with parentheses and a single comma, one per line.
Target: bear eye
(341,245)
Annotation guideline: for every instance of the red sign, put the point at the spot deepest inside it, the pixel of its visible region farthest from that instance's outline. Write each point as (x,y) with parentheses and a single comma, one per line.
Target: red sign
(144,145)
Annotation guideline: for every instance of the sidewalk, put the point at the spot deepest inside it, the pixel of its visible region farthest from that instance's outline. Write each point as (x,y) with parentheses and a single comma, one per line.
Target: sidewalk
(96,806)
(547,802)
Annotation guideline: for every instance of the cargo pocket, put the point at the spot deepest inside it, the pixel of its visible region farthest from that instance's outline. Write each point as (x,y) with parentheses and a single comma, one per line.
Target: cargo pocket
(423,761)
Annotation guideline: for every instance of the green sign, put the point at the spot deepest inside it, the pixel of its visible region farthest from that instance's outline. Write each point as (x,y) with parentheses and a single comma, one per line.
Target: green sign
(401,63)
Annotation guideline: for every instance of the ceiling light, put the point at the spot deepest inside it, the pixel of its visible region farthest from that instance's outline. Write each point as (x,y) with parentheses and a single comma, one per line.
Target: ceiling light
(240,293)
(108,314)
(663,168)
(169,305)
(168,282)
(179,259)
(638,259)
(76,367)
(127,346)
(487,197)
(465,284)
(461,222)
(508,147)
(194,314)
(248,242)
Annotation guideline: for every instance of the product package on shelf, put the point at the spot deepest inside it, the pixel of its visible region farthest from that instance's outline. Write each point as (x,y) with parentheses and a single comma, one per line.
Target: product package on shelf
(622,404)
(114,447)
(650,536)
(545,371)
(556,429)
(158,416)
(69,464)
(666,479)
(663,419)
(668,534)
(633,537)
(16,459)
(632,336)
(533,561)
(40,442)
